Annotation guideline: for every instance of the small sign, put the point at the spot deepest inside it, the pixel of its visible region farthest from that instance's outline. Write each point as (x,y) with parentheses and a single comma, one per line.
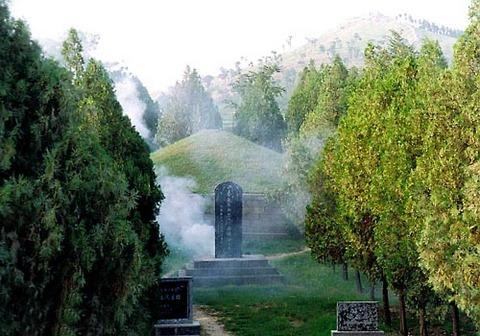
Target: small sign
(175,300)
(357,316)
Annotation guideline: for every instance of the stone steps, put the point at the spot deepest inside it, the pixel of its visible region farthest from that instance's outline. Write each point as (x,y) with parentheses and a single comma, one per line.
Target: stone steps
(178,329)
(230,271)
(248,270)
(214,281)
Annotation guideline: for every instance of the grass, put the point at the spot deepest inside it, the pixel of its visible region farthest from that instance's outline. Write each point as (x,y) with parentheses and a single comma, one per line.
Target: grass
(306,305)
(213,156)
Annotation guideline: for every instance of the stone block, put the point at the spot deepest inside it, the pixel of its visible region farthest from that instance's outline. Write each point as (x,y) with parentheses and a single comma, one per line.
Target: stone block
(178,329)
(248,270)
(357,333)
(357,316)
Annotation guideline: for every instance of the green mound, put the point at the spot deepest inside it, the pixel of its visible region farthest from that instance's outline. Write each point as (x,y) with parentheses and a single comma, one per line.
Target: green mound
(212,156)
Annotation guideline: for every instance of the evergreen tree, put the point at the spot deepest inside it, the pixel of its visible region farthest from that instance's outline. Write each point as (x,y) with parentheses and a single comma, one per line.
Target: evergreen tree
(318,104)
(257,116)
(188,110)
(448,176)
(80,250)
(304,98)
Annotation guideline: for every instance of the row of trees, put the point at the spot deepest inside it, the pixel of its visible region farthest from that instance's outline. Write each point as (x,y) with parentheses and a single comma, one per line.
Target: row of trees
(318,103)
(394,192)
(80,251)
(187,110)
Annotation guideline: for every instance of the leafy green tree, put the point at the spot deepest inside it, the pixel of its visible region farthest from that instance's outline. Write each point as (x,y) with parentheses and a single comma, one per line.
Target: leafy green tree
(257,117)
(379,143)
(336,88)
(323,220)
(304,98)
(187,110)
(317,106)
(80,251)
(447,174)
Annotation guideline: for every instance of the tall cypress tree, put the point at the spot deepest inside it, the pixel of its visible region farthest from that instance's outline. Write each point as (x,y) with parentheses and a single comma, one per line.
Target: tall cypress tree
(79,245)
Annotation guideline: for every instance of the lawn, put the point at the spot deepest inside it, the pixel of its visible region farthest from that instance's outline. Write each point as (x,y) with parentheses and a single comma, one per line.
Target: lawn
(306,305)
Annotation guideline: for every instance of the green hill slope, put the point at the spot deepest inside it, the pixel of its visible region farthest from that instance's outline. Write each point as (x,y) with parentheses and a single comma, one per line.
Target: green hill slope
(213,156)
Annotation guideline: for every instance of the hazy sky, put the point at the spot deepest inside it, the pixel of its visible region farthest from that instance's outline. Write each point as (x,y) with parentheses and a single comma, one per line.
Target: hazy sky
(156,39)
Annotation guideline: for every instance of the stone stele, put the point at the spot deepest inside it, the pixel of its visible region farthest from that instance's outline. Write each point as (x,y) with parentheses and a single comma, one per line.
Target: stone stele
(357,318)
(228,220)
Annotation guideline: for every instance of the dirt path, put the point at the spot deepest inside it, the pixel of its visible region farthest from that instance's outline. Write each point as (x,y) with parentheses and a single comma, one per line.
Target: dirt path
(210,324)
(285,255)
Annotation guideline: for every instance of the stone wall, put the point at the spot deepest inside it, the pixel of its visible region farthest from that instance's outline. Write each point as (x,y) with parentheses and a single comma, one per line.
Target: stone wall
(261,218)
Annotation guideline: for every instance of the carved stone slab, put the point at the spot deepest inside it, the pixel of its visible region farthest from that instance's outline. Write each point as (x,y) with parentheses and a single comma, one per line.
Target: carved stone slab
(228,220)
(357,316)
(175,300)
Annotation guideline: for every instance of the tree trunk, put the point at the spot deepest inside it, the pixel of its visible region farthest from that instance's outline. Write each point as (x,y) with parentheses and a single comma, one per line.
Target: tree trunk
(358,281)
(422,321)
(403,313)
(386,302)
(455,319)
(345,271)
(372,291)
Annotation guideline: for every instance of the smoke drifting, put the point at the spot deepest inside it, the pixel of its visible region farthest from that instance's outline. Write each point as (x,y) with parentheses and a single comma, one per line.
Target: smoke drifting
(182,216)
(133,107)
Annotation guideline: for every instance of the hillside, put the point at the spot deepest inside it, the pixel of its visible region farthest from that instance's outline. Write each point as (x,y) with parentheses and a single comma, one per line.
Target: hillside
(347,40)
(350,39)
(213,156)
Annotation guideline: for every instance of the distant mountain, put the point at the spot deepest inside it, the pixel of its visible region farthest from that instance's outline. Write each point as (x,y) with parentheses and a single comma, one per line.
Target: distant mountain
(348,41)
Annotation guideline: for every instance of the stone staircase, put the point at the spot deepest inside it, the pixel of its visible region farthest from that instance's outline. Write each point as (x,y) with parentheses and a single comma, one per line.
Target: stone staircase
(248,270)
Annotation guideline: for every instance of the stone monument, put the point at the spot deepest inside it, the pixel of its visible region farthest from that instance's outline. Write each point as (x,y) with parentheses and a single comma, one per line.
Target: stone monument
(176,314)
(355,318)
(228,220)
(230,267)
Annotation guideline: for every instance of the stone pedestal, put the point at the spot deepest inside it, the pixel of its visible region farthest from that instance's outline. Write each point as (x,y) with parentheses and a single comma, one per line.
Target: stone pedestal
(180,329)
(248,270)
(357,333)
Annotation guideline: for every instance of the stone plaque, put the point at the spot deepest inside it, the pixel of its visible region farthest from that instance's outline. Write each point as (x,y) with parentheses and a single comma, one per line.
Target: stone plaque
(357,316)
(228,220)
(175,300)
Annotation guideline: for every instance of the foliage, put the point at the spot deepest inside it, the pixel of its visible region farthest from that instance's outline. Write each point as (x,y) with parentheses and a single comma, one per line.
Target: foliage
(447,175)
(304,98)
(257,117)
(79,245)
(188,109)
(323,220)
(397,179)
(315,109)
